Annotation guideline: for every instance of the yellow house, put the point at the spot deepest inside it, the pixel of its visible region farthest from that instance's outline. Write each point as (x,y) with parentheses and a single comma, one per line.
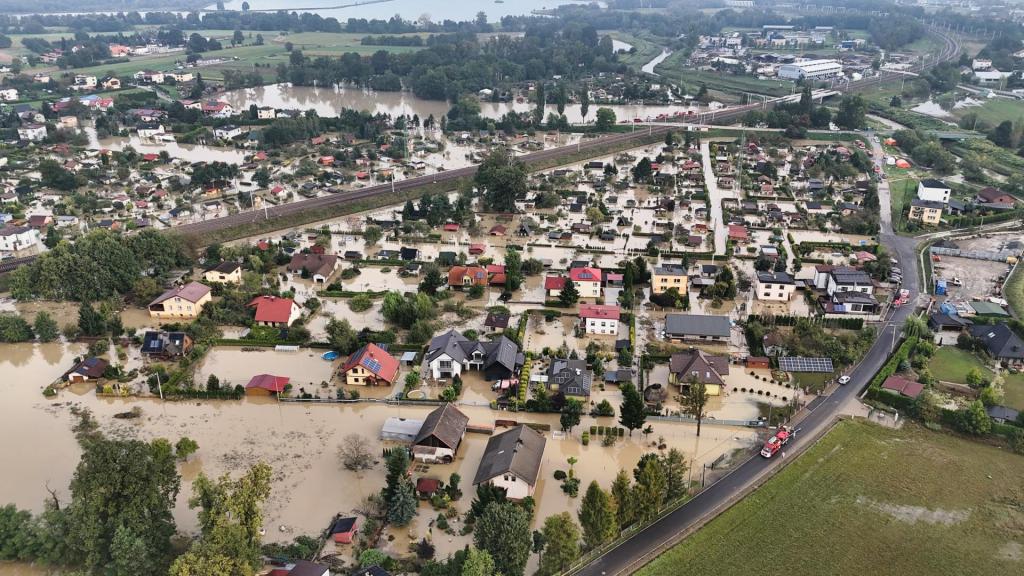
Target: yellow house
(224,273)
(668,276)
(694,364)
(926,211)
(181,302)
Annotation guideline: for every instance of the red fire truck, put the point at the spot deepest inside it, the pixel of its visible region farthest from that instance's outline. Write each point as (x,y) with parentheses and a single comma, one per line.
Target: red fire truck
(777,441)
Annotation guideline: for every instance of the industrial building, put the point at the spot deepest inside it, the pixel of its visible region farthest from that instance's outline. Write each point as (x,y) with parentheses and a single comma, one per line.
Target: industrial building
(811,70)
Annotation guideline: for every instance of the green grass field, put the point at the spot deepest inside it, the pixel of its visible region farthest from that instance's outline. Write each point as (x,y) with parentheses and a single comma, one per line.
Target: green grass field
(674,67)
(812,381)
(331,44)
(1015,291)
(1013,391)
(902,189)
(869,500)
(994,111)
(247,57)
(645,49)
(952,364)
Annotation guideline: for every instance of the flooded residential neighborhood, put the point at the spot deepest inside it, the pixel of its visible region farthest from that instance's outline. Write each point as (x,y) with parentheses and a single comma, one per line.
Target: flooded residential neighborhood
(447,289)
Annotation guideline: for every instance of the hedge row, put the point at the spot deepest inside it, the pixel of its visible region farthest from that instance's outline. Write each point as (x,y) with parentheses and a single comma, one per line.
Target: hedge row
(841,323)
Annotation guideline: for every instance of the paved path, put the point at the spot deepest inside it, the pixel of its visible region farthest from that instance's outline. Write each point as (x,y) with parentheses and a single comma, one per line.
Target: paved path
(715,196)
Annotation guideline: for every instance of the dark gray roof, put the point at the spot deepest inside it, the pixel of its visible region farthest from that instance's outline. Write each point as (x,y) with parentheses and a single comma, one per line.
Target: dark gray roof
(940,319)
(1000,340)
(853,297)
(850,276)
(933,183)
(571,375)
(307,568)
(774,278)
(499,351)
(447,424)
(1002,413)
(519,451)
(707,369)
(670,270)
(697,325)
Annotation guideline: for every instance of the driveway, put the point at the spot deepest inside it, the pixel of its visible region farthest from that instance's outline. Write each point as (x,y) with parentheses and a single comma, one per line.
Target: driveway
(715,196)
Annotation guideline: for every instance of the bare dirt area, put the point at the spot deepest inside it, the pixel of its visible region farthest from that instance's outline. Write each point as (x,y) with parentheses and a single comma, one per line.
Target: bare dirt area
(980,278)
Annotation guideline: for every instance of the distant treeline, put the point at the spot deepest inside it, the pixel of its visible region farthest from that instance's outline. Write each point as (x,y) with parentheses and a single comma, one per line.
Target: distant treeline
(392,41)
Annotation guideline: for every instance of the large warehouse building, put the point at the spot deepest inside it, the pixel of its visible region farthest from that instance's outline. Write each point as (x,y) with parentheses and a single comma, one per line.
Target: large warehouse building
(811,70)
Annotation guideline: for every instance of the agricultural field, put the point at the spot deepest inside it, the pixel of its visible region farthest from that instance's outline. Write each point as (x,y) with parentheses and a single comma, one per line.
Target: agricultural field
(1015,291)
(952,364)
(266,56)
(334,44)
(870,500)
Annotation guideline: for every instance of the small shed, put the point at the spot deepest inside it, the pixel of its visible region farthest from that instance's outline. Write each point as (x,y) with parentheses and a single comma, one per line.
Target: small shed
(343,530)
(426,487)
(408,358)
(400,429)
(758,362)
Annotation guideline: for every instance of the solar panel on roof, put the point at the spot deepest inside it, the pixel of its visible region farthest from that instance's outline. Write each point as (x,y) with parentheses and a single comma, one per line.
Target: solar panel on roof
(805,364)
(371,365)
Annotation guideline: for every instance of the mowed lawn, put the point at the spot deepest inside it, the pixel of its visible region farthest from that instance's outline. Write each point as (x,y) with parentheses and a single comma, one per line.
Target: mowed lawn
(952,364)
(870,500)
(1013,391)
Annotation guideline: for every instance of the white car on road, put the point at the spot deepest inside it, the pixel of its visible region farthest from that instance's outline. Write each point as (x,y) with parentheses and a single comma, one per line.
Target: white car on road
(843,380)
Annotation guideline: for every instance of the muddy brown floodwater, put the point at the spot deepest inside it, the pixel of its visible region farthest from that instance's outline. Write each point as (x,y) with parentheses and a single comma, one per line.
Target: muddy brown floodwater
(298,440)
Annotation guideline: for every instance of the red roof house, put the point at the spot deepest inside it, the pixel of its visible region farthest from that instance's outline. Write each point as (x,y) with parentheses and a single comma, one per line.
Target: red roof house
(498,230)
(476,248)
(266,384)
(738,233)
(496,274)
(275,311)
(344,529)
(599,311)
(451,227)
(902,386)
(467,276)
(370,365)
(554,284)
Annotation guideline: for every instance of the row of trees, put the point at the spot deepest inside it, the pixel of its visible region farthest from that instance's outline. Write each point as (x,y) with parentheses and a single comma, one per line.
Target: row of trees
(98,265)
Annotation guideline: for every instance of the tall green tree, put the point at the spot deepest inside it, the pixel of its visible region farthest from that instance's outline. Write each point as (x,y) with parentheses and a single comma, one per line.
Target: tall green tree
(584,103)
(605,119)
(513,270)
(624,500)
(674,465)
(341,336)
(501,178)
(128,485)
(569,295)
(563,544)
(477,563)
(694,402)
(45,327)
(503,531)
(90,321)
(231,517)
(649,492)
(632,412)
(402,506)
(597,517)
(571,413)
